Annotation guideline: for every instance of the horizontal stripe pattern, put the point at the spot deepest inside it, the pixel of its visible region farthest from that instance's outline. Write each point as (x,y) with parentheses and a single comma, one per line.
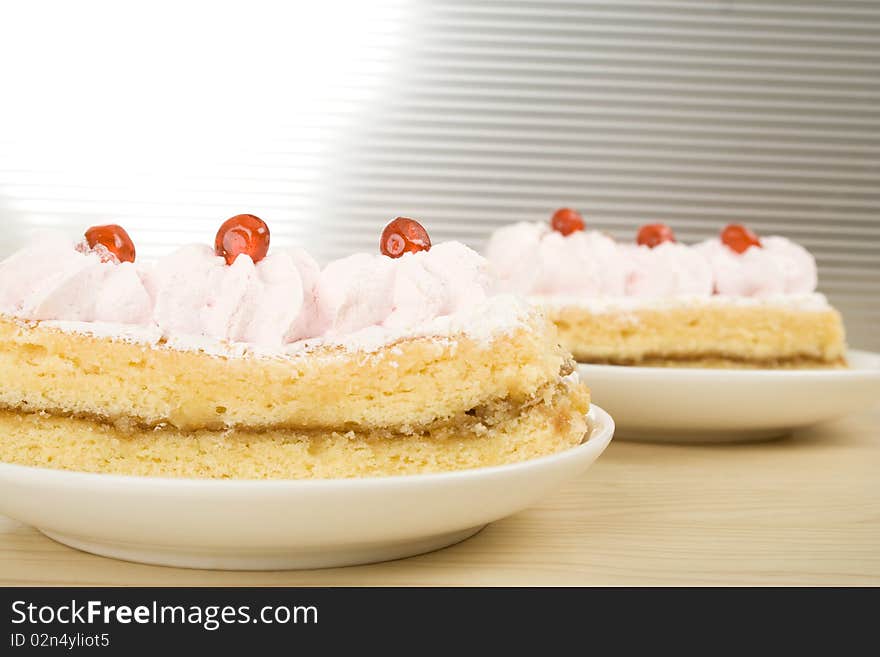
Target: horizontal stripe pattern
(471,115)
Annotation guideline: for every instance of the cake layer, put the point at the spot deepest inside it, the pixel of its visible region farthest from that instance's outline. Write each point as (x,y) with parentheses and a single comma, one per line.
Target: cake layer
(713,333)
(504,432)
(410,383)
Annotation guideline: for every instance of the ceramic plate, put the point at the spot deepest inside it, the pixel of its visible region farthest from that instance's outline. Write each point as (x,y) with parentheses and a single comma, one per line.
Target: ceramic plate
(715,405)
(272,525)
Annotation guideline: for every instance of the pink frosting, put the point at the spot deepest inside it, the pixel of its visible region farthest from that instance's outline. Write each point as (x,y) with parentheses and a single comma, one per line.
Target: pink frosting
(667,270)
(196,293)
(368,290)
(533,259)
(283,299)
(778,266)
(52,280)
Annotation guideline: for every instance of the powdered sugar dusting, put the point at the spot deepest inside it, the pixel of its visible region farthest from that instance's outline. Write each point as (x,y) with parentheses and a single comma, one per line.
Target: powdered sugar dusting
(121,332)
(498,315)
(599,305)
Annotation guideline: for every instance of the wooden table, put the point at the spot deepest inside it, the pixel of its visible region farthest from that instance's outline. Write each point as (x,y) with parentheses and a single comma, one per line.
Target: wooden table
(802,510)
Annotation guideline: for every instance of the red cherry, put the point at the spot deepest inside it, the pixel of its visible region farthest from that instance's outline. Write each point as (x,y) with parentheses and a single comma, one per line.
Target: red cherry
(404,235)
(114,240)
(652,235)
(739,238)
(243,233)
(567,221)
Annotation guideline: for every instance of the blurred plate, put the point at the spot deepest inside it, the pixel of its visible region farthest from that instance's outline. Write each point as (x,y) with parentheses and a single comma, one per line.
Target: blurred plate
(666,404)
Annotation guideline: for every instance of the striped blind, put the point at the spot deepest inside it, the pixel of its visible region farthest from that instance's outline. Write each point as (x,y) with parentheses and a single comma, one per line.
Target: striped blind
(329,121)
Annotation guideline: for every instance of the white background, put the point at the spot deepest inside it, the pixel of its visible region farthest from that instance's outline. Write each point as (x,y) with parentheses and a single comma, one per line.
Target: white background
(329,118)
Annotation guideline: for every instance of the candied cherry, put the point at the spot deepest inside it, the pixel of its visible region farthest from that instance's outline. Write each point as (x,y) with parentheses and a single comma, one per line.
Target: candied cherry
(243,233)
(739,238)
(567,221)
(111,240)
(652,235)
(404,235)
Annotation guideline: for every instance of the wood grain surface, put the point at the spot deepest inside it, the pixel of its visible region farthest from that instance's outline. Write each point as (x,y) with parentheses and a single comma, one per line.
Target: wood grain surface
(803,510)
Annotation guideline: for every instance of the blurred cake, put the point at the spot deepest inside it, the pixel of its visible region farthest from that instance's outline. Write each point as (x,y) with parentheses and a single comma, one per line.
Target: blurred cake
(733,301)
(232,362)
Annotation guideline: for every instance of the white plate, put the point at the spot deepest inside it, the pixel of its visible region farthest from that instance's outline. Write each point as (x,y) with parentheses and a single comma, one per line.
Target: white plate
(716,405)
(274,525)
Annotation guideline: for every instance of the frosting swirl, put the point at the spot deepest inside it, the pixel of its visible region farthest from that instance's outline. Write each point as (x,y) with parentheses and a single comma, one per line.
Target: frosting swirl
(196,293)
(283,299)
(533,259)
(778,266)
(368,290)
(667,270)
(53,280)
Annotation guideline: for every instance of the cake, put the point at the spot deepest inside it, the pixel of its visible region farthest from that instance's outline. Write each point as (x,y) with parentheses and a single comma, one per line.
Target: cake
(237,362)
(732,301)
